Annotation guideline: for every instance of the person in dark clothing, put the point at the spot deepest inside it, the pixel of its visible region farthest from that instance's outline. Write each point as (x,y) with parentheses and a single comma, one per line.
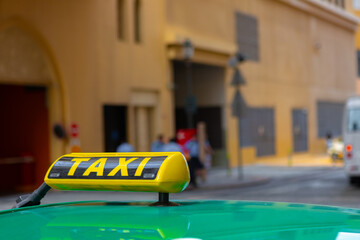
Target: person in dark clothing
(193,147)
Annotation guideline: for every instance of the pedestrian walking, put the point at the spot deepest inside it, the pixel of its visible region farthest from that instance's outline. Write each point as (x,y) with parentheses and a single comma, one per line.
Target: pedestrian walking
(329,140)
(158,144)
(192,146)
(207,159)
(125,147)
(172,146)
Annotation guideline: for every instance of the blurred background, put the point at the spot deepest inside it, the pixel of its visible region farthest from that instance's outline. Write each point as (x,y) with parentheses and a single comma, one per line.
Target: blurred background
(264,82)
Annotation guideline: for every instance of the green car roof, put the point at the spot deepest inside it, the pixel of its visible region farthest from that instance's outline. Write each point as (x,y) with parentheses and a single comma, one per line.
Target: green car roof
(190,220)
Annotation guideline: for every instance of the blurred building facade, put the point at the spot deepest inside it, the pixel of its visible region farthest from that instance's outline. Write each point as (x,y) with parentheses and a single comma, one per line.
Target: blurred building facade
(353,6)
(115,69)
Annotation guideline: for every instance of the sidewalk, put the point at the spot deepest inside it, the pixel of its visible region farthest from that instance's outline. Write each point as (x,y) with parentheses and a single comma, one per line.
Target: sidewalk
(263,171)
(221,178)
(302,160)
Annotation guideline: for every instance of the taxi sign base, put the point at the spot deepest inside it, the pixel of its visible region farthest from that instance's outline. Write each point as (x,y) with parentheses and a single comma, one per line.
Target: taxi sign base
(164,201)
(34,198)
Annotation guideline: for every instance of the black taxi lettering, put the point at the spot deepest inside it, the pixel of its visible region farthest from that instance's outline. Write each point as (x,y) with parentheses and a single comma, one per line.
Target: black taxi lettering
(99,165)
(122,167)
(104,167)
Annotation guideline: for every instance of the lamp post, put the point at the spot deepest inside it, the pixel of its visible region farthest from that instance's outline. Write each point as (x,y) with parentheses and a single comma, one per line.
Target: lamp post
(190,101)
(238,105)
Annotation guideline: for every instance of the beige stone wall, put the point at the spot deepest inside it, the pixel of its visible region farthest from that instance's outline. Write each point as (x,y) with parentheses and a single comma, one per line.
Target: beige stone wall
(95,67)
(350,7)
(304,57)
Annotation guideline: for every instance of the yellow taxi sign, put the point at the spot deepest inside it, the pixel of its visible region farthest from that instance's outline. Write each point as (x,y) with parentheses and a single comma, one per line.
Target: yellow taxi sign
(151,172)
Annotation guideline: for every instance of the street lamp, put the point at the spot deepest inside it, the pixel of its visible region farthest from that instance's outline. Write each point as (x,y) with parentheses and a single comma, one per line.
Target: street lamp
(187,49)
(190,101)
(238,104)
(236,59)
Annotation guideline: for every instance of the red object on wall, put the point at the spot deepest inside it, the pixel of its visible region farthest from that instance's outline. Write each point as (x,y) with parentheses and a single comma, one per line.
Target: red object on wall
(74,130)
(184,135)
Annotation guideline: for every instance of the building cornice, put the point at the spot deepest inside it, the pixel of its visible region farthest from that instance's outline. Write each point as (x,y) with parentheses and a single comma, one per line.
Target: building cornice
(177,38)
(207,50)
(326,11)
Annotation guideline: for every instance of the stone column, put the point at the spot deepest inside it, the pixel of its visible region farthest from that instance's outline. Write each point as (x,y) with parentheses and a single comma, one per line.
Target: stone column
(142,129)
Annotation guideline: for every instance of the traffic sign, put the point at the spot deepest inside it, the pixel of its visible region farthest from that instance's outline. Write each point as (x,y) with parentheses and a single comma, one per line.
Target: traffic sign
(238,105)
(74,130)
(238,78)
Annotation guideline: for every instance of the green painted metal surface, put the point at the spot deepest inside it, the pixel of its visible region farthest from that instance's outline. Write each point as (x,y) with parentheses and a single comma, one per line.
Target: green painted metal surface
(197,219)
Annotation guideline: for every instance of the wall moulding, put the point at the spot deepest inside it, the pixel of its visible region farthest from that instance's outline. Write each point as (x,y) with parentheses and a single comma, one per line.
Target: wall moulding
(325,11)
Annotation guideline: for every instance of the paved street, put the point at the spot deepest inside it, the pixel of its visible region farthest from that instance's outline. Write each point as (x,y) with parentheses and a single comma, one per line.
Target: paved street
(317,185)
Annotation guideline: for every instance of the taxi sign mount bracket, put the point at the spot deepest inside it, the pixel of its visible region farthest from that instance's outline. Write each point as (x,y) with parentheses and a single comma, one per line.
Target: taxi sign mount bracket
(34,198)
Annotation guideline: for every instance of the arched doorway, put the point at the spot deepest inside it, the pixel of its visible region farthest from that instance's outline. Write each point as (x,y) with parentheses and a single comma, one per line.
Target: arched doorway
(31,102)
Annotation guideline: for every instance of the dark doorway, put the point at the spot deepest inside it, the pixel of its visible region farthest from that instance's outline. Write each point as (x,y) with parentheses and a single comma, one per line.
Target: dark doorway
(115,118)
(24,137)
(207,85)
(299,130)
